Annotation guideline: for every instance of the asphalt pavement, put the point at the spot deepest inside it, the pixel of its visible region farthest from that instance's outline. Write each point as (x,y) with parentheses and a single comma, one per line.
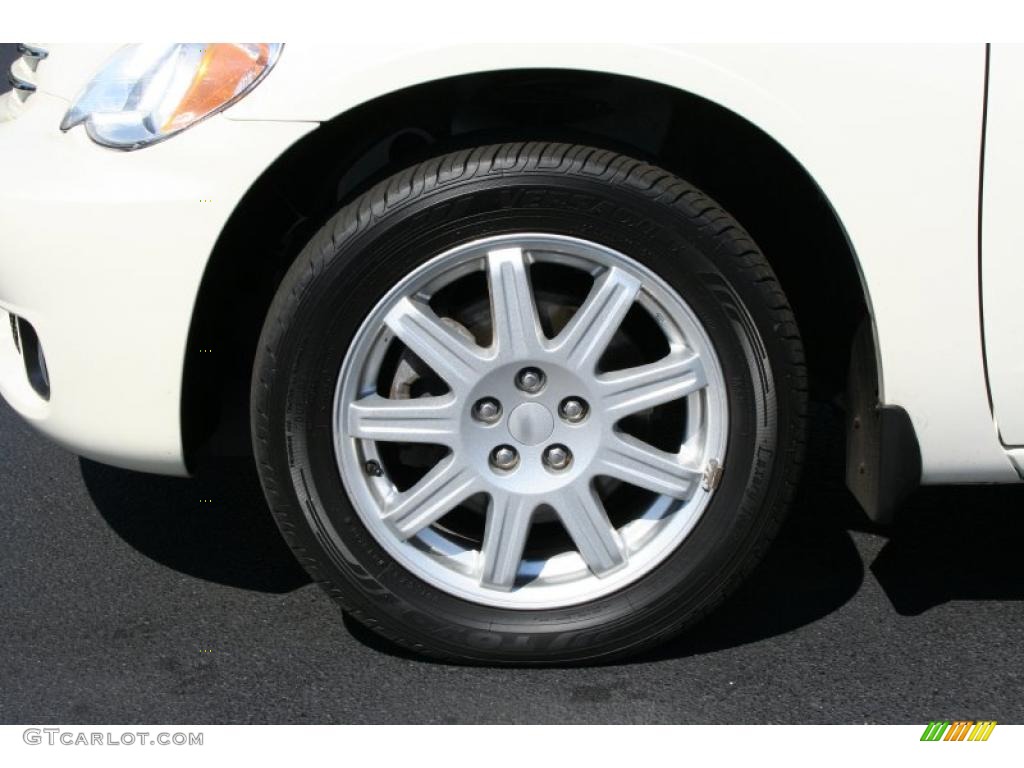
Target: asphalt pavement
(126,599)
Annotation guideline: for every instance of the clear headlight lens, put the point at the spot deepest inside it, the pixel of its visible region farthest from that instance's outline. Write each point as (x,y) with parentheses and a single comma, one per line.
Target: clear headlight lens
(148,92)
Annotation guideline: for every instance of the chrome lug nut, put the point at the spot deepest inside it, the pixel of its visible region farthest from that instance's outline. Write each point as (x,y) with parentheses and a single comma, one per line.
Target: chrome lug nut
(557,457)
(573,409)
(530,380)
(487,410)
(504,457)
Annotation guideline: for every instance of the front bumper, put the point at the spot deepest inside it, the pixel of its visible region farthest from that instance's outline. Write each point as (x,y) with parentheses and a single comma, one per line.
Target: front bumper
(103,253)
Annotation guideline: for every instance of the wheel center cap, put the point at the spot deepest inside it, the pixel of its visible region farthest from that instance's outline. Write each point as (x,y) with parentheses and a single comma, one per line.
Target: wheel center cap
(531,423)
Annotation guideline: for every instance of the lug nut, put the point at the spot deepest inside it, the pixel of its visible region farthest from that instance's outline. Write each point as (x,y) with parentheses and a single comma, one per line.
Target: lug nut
(557,457)
(530,380)
(487,410)
(573,409)
(504,457)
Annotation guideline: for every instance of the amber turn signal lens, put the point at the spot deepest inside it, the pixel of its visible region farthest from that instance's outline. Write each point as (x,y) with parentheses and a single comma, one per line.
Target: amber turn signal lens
(224,71)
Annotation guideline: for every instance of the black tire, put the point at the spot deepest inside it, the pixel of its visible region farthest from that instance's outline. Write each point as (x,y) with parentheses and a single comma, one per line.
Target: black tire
(660,220)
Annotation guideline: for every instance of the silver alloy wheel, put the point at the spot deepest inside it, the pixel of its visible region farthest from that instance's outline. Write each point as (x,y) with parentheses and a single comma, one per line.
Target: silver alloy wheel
(560,459)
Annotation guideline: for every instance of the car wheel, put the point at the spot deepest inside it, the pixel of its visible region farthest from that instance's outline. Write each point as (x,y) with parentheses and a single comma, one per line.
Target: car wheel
(529,403)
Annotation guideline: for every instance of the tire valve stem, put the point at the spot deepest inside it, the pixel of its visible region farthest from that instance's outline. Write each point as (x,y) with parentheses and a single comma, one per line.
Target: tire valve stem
(373,468)
(712,475)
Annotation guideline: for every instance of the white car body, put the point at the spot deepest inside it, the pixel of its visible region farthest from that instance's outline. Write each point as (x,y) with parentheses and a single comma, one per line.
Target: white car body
(103,251)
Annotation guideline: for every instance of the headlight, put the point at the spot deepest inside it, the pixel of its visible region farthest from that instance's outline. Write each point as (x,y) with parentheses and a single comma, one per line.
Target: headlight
(146,93)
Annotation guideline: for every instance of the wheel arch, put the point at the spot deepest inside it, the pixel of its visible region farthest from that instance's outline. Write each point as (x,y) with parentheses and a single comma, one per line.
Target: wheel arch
(727,155)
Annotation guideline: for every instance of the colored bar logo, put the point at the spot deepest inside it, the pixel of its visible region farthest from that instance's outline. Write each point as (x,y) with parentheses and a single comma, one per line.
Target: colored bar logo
(960,730)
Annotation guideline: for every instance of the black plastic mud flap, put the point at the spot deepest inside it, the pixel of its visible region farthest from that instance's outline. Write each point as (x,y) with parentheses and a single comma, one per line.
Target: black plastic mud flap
(883,458)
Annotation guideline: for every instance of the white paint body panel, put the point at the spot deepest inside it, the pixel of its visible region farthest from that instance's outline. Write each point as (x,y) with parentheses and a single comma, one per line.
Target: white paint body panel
(1003,255)
(103,253)
(891,134)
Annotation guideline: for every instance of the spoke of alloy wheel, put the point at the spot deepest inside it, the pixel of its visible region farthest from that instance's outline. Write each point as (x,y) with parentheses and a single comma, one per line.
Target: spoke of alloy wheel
(636,389)
(418,420)
(517,331)
(508,524)
(587,335)
(583,516)
(459,362)
(637,463)
(442,489)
